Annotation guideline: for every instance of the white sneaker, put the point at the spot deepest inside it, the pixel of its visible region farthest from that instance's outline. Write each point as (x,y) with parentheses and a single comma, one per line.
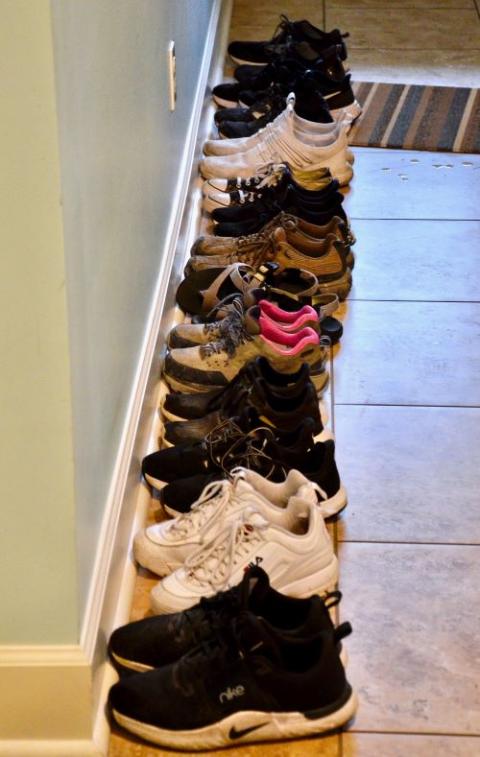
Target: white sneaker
(285,146)
(323,133)
(295,550)
(164,547)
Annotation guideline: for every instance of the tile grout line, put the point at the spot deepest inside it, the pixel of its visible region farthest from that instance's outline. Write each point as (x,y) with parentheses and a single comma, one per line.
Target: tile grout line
(399,404)
(429,220)
(411,543)
(440,302)
(418,733)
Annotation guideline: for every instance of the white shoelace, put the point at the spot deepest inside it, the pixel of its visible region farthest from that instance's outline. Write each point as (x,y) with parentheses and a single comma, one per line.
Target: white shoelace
(213,499)
(214,502)
(214,564)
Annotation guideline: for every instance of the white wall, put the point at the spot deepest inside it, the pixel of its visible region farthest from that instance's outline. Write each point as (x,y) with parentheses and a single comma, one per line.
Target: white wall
(120,148)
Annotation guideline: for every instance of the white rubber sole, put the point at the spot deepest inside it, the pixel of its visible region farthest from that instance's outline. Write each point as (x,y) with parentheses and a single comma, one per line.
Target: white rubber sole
(138,667)
(224,103)
(179,386)
(246,726)
(155,483)
(170,416)
(334,505)
(240,62)
(210,205)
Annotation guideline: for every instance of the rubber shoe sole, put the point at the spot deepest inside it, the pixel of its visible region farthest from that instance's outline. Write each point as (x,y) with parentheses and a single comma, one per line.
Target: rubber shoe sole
(244,727)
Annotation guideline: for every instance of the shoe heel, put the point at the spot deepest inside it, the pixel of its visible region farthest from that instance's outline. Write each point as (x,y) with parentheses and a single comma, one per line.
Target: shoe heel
(321,582)
(341,287)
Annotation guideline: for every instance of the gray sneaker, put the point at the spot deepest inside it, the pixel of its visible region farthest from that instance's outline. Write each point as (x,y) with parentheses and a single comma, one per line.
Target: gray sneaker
(212,365)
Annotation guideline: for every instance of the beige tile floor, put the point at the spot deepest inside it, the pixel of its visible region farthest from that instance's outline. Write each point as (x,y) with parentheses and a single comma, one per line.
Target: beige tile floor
(407,405)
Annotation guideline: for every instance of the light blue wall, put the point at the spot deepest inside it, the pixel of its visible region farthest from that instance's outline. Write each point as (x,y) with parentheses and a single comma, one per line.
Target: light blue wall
(37,544)
(120,148)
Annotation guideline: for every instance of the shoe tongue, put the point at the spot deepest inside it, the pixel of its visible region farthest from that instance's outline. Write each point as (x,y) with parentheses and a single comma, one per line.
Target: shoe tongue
(255,585)
(256,638)
(306,51)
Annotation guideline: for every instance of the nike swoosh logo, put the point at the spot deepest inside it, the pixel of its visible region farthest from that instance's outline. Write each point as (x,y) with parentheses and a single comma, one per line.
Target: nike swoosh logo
(234,734)
(332,94)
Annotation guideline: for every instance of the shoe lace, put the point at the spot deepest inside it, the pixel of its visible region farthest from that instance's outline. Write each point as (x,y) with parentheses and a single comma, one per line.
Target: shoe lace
(236,335)
(211,653)
(249,452)
(224,432)
(214,498)
(256,253)
(213,563)
(214,611)
(234,310)
(269,175)
(281,35)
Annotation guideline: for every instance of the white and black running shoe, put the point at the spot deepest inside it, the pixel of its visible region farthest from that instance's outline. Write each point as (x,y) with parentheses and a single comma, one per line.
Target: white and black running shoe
(248,682)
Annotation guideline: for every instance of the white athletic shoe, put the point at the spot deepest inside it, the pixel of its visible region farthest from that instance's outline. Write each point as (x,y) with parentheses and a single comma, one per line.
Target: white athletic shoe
(285,146)
(295,549)
(164,547)
(320,133)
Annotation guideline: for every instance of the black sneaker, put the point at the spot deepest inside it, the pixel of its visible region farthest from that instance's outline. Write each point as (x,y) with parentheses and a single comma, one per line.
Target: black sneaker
(274,197)
(259,213)
(309,104)
(296,58)
(279,407)
(272,99)
(181,406)
(161,640)
(337,90)
(284,72)
(261,53)
(271,460)
(239,441)
(249,682)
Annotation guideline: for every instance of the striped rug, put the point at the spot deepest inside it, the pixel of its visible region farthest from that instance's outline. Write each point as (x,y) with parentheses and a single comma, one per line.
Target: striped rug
(417,117)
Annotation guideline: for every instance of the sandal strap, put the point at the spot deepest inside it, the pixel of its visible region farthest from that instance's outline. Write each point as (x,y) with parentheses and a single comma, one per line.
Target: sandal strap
(235,272)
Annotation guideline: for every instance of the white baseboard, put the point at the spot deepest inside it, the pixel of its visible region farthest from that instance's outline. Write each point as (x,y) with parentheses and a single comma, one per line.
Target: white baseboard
(60,685)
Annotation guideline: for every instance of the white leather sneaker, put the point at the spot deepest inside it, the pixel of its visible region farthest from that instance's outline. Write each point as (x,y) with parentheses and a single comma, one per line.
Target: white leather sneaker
(287,145)
(292,544)
(165,546)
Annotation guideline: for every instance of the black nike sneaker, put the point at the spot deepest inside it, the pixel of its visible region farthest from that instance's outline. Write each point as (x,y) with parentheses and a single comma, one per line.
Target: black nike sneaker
(261,53)
(164,639)
(272,458)
(249,682)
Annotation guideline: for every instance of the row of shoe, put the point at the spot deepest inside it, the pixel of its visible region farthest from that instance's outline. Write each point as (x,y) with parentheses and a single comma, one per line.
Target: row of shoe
(242,646)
